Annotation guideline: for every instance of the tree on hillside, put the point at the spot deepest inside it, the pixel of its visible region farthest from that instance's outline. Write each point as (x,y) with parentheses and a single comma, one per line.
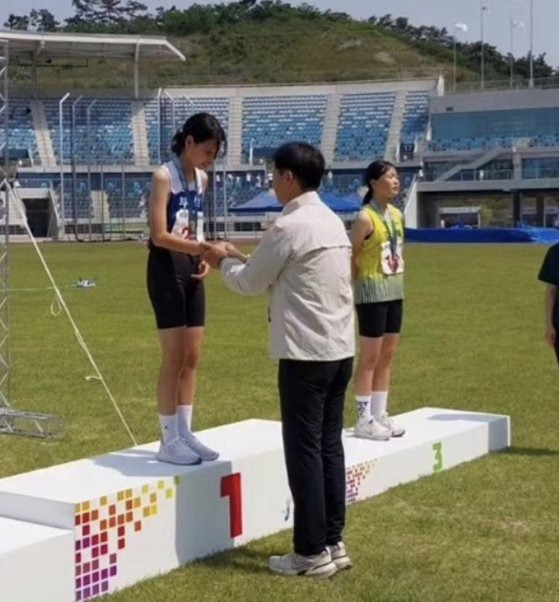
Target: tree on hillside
(85,9)
(94,15)
(43,20)
(20,22)
(134,10)
(109,12)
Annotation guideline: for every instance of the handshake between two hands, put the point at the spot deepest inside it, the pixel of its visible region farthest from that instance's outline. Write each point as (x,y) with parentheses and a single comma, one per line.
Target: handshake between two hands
(212,254)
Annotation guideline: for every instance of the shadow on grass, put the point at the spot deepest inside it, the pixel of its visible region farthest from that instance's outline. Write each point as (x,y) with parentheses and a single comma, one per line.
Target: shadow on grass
(529,451)
(244,559)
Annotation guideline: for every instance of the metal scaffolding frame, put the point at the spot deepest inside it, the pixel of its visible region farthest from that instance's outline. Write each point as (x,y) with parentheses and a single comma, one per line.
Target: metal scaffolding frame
(12,422)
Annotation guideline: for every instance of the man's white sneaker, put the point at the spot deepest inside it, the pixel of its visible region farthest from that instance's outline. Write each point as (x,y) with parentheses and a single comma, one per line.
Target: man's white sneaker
(207,454)
(371,429)
(319,566)
(176,451)
(387,422)
(340,557)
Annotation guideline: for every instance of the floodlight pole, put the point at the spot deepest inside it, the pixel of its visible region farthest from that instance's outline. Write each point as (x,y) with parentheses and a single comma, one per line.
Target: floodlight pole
(189,102)
(172,111)
(159,125)
(5,237)
(137,71)
(62,229)
(511,52)
(73,164)
(483,8)
(88,122)
(531,84)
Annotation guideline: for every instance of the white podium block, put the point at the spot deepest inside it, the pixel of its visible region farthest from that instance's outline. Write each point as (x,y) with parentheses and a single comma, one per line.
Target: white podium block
(36,562)
(131,517)
(435,439)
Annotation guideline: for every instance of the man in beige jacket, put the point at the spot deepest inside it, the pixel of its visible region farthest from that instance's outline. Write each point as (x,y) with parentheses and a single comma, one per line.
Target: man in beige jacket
(303,262)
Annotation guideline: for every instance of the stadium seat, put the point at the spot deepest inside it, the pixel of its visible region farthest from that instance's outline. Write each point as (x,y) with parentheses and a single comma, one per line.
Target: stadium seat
(363,125)
(269,122)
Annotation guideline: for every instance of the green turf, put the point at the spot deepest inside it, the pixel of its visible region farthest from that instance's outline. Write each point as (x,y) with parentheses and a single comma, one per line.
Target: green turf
(473,339)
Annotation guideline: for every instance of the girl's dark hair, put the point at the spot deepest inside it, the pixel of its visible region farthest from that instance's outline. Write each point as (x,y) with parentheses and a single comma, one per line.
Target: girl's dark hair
(374,171)
(202,127)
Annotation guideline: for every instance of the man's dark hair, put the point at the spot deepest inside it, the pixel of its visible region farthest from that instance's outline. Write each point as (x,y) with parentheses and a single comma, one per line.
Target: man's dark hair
(202,127)
(304,161)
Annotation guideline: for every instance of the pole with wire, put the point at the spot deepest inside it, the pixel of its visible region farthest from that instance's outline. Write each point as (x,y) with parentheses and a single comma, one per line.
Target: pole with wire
(61,153)
(531,84)
(483,10)
(73,164)
(463,28)
(89,158)
(514,24)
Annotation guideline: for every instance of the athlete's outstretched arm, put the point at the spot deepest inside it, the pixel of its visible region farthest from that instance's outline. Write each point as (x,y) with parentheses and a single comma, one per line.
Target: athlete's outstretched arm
(262,268)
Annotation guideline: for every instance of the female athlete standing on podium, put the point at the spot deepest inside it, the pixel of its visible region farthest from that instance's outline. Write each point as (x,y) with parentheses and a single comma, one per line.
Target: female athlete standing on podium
(175,274)
(377,237)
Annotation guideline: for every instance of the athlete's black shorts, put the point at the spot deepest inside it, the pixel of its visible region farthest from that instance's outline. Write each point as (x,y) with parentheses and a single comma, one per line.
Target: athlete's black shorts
(177,298)
(378,319)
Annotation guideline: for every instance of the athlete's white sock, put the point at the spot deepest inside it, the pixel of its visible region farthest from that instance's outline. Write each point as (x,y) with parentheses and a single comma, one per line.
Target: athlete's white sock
(363,407)
(169,429)
(379,400)
(184,418)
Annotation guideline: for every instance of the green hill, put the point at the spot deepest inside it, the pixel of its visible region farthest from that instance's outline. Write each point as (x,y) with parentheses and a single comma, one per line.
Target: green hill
(271,52)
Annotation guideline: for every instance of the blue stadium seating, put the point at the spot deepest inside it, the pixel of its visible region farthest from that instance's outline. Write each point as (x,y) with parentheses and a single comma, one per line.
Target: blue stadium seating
(81,194)
(159,120)
(481,130)
(363,126)
(416,115)
(545,140)
(270,121)
(471,144)
(110,135)
(133,204)
(22,134)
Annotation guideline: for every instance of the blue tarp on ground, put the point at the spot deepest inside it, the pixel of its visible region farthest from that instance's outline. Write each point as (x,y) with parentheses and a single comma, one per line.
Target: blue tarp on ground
(267,202)
(483,235)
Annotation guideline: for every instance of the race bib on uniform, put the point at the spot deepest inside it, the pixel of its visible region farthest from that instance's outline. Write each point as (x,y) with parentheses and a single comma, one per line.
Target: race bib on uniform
(181,227)
(391,264)
(189,221)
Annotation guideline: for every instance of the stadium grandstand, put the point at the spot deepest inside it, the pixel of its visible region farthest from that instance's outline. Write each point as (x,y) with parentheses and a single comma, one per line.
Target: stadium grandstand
(85,159)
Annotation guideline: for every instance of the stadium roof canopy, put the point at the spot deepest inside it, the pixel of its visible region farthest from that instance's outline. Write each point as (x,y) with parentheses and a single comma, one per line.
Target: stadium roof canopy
(37,47)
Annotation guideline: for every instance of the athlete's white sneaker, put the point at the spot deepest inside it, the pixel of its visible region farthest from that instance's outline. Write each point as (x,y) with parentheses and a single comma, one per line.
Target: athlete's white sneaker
(371,429)
(387,422)
(176,451)
(319,566)
(205,453)
(339,556)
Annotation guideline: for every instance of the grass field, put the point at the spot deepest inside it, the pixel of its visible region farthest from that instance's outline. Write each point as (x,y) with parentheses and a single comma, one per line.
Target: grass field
(485,531)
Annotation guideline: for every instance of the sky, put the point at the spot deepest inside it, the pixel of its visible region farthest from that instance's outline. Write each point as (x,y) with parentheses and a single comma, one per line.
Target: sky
(442,13)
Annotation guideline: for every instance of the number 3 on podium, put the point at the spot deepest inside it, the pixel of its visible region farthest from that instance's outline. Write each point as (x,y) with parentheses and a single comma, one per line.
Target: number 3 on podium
(438,449)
